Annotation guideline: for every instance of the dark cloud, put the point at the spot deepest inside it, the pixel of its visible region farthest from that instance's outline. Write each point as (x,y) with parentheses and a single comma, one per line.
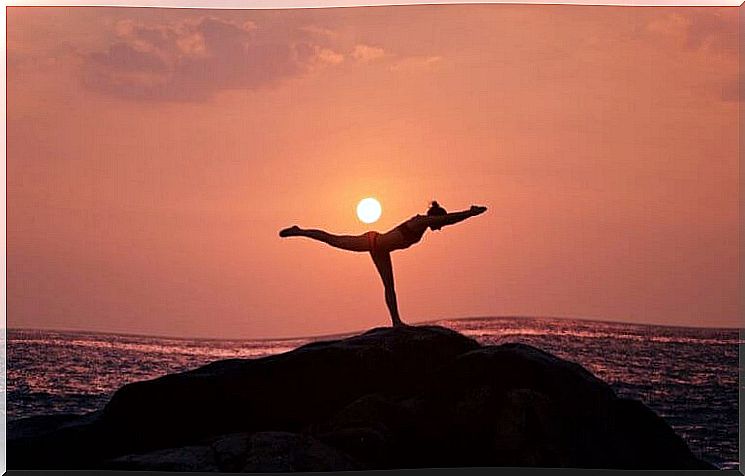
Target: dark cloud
(716,33)
(731,90)
(710,29)
(123,57)
(715,30)
(192,60)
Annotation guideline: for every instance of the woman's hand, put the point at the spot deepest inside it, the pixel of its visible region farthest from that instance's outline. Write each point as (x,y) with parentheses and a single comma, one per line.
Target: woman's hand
(477,210)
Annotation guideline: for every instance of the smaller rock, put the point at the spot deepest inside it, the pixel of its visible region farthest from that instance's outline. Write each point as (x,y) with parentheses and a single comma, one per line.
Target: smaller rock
(187,458)
(272,452)
(264,452)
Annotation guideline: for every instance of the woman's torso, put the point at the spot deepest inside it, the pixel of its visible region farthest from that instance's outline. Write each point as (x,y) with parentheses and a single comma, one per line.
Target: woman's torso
(405,234)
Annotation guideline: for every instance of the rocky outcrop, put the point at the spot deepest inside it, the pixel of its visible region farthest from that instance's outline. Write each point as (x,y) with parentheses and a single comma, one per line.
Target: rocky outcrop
(406,397)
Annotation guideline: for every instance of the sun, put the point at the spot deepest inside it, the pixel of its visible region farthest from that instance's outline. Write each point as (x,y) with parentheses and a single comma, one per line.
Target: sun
(369,210)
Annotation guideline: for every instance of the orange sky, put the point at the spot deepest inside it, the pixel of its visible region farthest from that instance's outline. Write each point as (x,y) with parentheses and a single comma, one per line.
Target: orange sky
(153,154)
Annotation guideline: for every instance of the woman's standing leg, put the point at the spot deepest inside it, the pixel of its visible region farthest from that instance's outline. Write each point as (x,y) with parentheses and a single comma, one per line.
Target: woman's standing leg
(382,260)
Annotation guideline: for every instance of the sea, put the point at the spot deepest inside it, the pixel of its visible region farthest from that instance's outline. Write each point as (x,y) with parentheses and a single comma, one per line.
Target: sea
(689,376)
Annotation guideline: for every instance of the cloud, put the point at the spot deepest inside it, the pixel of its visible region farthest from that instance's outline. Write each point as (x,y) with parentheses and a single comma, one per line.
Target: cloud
(730,90)
(40,60)
(365,53)
(416,62)
(713,30)
(320,31)
(711,35)
(192,60)
(329,56)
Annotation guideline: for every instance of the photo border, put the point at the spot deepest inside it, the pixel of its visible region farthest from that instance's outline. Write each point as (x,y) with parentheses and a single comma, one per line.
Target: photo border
(293,4)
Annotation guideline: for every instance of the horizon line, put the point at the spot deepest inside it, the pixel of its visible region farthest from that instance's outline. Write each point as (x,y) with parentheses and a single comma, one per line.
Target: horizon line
(360,331)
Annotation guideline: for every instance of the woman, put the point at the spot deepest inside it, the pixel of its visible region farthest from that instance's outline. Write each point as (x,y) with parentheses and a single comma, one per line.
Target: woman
(380,245)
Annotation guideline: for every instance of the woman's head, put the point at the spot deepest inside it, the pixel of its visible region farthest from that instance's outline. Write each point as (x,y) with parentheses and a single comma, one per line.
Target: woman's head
(436,210)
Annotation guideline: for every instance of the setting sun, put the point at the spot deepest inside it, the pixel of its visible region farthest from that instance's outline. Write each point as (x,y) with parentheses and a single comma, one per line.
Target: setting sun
(369,210)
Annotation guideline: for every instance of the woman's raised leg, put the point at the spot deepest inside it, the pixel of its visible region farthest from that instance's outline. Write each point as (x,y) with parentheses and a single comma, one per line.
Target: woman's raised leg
(345,242)
(384,266)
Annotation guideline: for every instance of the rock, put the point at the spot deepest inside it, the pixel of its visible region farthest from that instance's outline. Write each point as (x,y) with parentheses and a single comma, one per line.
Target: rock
(271,452)
(281,392)
(498,405)
(264,452)
(374,429)
(36,426)
(514,405)
(231,450)
(644,438)
(408,397)
(187,458)
(76,446)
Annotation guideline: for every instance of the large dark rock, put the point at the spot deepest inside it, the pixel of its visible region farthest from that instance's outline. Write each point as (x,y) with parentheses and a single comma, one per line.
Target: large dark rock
(389,398)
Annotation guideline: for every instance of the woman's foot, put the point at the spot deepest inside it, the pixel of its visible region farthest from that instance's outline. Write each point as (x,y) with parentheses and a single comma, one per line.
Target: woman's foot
(291,231)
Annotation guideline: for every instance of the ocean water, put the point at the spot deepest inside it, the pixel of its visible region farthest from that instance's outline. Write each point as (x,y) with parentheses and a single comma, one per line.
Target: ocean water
(689,376)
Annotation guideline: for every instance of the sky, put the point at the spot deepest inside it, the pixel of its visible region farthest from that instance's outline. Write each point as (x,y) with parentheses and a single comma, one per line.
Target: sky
(154,154)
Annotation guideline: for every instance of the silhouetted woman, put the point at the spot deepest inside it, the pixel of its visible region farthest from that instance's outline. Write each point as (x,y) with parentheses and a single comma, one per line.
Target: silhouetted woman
(380,245)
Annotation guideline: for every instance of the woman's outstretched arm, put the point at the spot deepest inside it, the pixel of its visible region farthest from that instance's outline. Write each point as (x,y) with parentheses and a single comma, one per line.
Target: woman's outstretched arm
(438,221)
